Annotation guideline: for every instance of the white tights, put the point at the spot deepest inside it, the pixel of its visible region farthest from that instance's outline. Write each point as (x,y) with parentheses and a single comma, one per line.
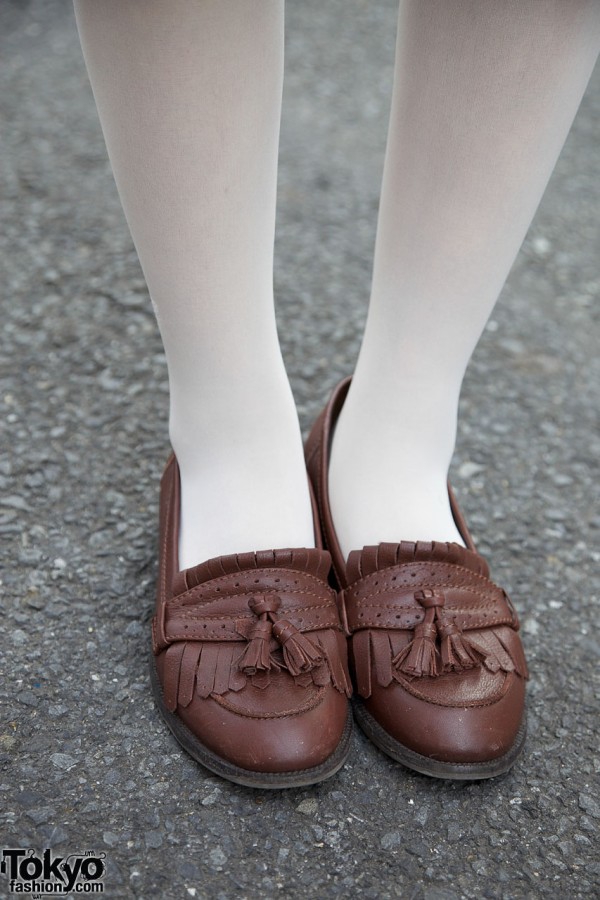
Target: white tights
(189,98)
(485,92)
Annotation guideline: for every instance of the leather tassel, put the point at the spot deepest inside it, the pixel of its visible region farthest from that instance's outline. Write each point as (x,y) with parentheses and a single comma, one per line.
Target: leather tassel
(420,657)
(455,652)
(256,656)
(299,654)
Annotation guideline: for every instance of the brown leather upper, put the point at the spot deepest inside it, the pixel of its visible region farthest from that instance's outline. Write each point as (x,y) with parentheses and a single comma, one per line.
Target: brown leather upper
(250,651)
(435,650)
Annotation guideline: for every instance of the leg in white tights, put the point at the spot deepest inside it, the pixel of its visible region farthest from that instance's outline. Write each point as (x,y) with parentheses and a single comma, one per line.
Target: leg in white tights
(189,98)
(484,95)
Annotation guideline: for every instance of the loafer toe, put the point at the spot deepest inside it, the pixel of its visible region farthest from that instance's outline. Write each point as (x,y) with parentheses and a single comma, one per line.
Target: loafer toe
(478,738)
(303,737)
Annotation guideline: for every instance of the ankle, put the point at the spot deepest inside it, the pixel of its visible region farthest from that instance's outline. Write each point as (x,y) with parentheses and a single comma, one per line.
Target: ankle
(388,488)
(243,479)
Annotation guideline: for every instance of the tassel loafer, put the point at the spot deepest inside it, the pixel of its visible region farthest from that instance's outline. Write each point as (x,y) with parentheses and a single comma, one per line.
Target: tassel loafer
(436,657)
(249,662)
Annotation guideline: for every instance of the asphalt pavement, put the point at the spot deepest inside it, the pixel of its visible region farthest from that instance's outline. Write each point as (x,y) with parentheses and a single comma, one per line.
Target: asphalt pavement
(86,763)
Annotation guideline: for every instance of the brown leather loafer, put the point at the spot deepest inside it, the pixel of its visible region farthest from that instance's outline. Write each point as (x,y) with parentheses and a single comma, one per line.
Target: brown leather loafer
(249,665)
(437,660)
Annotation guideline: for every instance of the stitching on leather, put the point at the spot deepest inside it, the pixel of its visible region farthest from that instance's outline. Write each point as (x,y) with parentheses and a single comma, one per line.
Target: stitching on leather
(207,629)
(360,601)
(383,573)
(327,601)
(223,636)
(408,686)
(453,610)
(506,618)
(475,625)
(219,579)
(311,703)
(186,613)
(463,585)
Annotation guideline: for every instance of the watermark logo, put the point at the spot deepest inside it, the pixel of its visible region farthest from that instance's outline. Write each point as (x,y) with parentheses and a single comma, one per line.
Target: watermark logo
(41,873)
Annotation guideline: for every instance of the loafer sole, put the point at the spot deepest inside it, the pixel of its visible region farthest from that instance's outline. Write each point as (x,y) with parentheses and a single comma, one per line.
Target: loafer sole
(220,766)
(435,768)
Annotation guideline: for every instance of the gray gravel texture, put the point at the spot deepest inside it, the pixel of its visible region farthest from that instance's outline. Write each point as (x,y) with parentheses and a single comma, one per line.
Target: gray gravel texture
(86,762)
